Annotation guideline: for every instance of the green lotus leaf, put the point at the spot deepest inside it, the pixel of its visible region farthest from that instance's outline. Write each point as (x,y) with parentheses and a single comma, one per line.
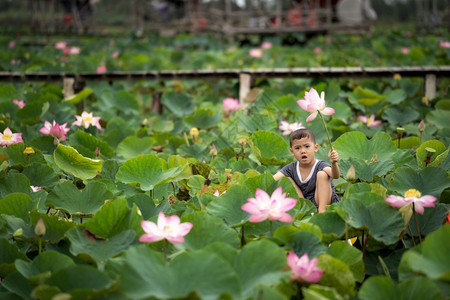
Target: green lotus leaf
(121,100)
(17,205)
(79,278)
(14,183)
(421,153)
(228,206)
(18,285)
(203,118)
(99,250)
(158,124)
(179,161)
(431,220)
(133,146)
(355,144)
(144,274)
(336,274)
(10,252)
(400,115)
(113,218)
(207,229)
(367,97)
(429,181)
(198,151)
(256,122)
(270,148)
(147,170)
(16,157)
(145,204)
(77,98)
(66,196)
(55,227)
(430,259)
(349,255)
(331,225)
(46,262)
(69,160)
(410,142)
(316,291)
(378,288)
(32,113)
(342,111)
(41,175)
(367,171)
(90,145)
(438,118)
(395,96)
(363,211)
(180,104)
(284,103)
(302,242)
(264,292)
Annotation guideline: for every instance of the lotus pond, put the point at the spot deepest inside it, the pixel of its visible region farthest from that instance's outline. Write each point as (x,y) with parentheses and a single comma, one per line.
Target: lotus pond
(78,175)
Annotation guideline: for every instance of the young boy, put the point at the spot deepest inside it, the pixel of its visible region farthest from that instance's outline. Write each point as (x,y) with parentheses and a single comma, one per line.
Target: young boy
(311,177)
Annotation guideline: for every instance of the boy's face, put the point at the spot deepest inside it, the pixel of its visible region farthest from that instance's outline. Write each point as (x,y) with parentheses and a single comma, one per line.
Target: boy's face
(304,150)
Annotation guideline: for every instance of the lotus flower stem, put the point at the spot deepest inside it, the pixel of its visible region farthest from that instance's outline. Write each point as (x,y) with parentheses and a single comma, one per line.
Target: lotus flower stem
(363,246)
(242,236)
(165,249)
(40,246)
(417,224)
(412,235)
(326,130)
(271,228)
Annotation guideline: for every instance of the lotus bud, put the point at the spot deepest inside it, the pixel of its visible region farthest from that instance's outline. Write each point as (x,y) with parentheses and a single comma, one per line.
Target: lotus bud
(243,141)
(350,174)
(400,131)
(213,151)
(421,126)
(425,101)
(39,230)
(28,150)
(397,77)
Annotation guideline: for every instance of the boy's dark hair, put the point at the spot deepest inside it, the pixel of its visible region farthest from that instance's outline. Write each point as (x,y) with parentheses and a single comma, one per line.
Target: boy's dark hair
(301,133)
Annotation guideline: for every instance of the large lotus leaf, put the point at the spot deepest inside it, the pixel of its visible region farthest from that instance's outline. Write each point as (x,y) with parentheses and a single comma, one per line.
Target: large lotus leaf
(180,104)
(316,291)
(100,250)
(113,218)
(303,241)
(159,124)
(342,111)
(203,118)
(133,146)
(355,144)
(367,97)
(69,160)
(331,225)
(437,146)
(349,255)
(55,227)
(438,117)
(228,206)
(264,292)
(256,122)
(44,264)
(383,262)
(17,157)
(372,214)
(381,288)
(66,196)
(18,285)
(259,262)
(429,181)
(120,100)
(395,96)
(431,220)
(90,144)
(41,175)
(144,274)
(145,204)
(284,103)
(78,97)
(336,274)
(147,170)
(198,151)
(409,142)
(270,148)
(79,279)
(366,171)
(14,183)
(207,229)
(430,259)
(17,205)
(32,112)
(10,252)
(179,161)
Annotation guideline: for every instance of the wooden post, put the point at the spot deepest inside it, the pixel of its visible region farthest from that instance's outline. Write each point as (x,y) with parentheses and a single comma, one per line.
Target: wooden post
(245,81)
(430,86)
(68,84)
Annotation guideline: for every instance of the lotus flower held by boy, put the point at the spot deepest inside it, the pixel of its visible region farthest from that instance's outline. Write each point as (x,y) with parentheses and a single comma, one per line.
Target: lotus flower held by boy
(289,128)
(9,138)
(55,130)
(370,121)
(273,207)
(168,228)
(412,196)
(303,269)
(314,104)
(87,119)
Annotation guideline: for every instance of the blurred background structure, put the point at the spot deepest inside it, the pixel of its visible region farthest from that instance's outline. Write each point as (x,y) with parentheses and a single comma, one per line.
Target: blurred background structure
(222,17)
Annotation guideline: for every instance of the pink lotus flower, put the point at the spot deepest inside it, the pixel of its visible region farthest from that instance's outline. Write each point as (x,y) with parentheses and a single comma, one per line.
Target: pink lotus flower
(101,69)
(405,50)
(303,269)
(289,128)
(273,207)
(20,103)
(168,228)
(35,188)
(87,119)
(8,138)
(231,104)
(266,45)
(256,53)
(55,130)
(370,122)
(313,103)
(218,194)
(60,45)
(444,44)
(74,50)
(115,54)
(412,196)
(12,44)
(317,50)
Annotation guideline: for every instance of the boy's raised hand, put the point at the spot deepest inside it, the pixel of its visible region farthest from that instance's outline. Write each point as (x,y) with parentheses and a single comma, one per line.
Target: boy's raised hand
(333,156)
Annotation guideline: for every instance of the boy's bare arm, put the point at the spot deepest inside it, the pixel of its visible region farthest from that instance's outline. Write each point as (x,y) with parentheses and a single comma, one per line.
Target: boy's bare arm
(335,171)
(278,176)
